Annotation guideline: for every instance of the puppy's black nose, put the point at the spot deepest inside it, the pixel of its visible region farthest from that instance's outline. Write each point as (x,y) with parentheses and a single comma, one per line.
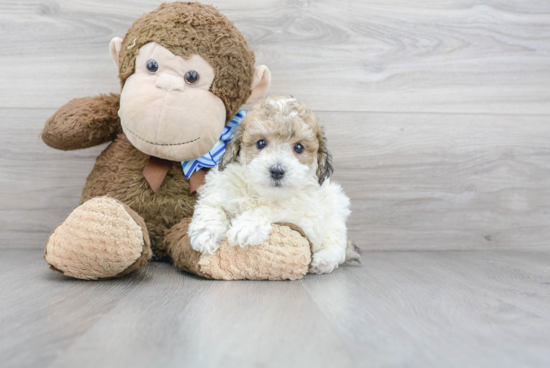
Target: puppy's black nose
(277,172)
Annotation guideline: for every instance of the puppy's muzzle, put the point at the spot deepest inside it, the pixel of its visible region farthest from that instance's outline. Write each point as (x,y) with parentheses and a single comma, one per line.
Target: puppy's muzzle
(277,172)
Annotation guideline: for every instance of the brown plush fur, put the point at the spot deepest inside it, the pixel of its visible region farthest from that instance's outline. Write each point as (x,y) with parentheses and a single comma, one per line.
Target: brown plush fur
(147,252)
(184,29)
(84,122)
(193,28)
(178,246)
(118,173)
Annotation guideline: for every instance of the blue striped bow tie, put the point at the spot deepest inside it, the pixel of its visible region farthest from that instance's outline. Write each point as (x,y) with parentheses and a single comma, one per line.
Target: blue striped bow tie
(212,158)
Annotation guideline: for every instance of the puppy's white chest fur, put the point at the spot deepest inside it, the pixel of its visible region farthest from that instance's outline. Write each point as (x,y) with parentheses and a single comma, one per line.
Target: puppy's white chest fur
(313,208)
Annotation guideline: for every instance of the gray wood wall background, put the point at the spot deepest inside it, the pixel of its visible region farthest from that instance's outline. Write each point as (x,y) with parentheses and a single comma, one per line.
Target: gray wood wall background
(437,112)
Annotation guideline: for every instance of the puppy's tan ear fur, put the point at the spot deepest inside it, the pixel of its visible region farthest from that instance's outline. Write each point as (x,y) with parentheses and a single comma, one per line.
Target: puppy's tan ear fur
(232,149)
(324,159)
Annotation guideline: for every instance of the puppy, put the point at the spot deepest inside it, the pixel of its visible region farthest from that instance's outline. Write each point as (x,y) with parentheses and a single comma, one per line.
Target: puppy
(275,169)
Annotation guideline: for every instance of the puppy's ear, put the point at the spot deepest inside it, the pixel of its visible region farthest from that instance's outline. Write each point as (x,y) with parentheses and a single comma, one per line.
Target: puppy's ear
(232,149)
(324,159)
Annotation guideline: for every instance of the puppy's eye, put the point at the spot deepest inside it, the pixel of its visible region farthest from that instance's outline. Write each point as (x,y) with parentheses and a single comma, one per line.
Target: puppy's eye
(191,77)
(298,148)
(152,66)
(261,144)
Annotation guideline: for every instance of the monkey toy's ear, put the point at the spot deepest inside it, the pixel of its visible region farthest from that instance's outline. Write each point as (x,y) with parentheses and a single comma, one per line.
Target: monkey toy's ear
(324,159)
(114,49)
(261,81)
(232,149)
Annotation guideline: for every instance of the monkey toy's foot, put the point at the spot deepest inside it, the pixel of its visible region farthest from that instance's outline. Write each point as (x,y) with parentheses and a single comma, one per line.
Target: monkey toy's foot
(102,238)
(285,255)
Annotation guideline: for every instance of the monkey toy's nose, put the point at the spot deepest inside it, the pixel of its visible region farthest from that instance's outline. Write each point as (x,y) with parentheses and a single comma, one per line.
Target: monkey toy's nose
(169,82)
(277,172)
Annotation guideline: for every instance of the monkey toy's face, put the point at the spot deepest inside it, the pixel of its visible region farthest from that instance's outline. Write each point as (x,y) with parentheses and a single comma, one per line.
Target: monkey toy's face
(166,108)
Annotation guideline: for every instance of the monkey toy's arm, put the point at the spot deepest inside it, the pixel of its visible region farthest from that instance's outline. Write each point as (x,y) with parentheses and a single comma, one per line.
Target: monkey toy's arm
(83,122)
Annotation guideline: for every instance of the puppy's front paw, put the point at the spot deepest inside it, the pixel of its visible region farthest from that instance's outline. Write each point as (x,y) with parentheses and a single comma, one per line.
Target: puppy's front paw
(324,261)
(206,239)
(248,232)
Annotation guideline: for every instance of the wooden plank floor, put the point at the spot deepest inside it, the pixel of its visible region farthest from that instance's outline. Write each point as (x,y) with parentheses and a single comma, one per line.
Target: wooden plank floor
(457,56)
(399,309)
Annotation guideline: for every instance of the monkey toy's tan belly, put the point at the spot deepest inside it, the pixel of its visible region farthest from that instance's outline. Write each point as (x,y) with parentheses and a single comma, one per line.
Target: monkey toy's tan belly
(118,173)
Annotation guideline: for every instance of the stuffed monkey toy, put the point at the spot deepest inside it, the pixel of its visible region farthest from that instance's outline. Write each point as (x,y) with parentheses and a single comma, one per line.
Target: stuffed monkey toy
(185,71)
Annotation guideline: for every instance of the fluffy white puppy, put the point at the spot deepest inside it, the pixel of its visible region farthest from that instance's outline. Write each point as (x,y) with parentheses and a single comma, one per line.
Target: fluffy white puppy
(276,169)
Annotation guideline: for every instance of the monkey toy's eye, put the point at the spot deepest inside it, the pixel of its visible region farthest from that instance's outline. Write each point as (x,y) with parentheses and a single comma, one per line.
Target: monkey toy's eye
(152,66)
(261,144)
(298,148)
(191,77)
